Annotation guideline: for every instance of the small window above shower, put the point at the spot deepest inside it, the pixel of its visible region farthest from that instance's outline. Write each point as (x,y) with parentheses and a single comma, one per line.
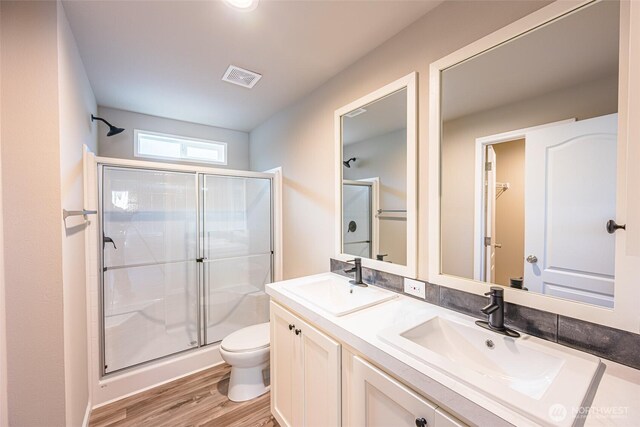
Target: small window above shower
(172,147)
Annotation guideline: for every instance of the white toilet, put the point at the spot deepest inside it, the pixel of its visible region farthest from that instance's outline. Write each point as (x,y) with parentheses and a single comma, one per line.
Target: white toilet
(247,351)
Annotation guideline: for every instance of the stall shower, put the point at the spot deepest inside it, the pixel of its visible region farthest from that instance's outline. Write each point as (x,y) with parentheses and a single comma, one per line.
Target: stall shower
(185,258)
(357,228)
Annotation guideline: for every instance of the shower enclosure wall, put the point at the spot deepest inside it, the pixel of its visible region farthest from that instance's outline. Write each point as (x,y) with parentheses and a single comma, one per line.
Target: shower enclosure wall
(185,257)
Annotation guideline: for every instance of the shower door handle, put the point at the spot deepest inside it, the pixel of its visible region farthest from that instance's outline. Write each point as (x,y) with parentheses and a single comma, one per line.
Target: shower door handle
(201,259)
(107,239)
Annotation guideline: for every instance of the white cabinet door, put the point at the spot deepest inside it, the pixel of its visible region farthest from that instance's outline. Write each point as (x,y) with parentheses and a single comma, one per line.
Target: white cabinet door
(305,373)
(321,378)
(286,398)
(377,400)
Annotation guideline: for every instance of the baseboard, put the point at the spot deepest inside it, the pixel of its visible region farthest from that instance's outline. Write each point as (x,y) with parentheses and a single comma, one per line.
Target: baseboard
(87,415)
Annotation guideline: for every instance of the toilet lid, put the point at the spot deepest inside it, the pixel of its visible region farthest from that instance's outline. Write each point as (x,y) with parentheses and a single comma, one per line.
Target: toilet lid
(250,338)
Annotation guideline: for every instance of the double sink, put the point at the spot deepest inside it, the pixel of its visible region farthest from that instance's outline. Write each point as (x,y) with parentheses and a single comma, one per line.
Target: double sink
(544,381)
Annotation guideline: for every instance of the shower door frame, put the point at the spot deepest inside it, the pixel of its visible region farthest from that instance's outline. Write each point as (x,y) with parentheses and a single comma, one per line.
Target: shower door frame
(199,172)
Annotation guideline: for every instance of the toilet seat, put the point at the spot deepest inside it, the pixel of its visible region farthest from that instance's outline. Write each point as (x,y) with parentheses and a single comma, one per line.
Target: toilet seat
(247,339)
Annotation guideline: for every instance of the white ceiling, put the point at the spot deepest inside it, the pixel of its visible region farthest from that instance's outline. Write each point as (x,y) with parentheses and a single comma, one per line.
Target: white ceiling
(167,58)
(578,48)
(382,116)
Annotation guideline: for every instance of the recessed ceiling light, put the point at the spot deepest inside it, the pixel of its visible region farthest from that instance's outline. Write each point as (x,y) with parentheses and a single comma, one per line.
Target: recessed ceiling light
(244,5)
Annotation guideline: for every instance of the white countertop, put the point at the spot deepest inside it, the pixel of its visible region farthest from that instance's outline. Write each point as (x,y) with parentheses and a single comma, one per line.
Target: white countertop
(616,402)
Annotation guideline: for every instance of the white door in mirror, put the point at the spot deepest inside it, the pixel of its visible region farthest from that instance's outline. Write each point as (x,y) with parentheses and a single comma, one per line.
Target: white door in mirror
(570,182)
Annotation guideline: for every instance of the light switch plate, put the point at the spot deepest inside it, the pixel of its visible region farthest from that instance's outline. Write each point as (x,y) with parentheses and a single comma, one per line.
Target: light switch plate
(414,287)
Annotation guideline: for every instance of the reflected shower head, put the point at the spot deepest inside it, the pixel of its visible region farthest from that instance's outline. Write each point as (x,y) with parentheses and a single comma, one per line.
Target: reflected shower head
(347,163)
(112,129)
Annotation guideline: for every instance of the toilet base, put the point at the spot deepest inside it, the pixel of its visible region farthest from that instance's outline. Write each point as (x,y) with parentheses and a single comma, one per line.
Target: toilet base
(247,383)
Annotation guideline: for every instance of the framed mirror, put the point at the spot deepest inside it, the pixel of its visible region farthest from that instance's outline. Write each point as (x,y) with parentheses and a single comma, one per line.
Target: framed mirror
(376,178)
(527,167)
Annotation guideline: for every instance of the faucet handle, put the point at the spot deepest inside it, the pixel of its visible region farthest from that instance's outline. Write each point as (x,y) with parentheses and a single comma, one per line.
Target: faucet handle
(495,291)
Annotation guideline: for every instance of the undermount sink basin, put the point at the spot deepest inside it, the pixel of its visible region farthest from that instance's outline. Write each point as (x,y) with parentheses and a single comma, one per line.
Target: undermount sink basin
(530,375)
(338,297)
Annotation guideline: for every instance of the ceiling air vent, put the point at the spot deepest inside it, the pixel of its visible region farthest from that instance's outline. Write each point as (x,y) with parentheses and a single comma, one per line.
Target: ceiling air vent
(241,77)
(357,112)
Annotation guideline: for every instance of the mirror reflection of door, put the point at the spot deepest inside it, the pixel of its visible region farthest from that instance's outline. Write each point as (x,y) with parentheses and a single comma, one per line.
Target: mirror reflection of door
(554,237)
(570,185)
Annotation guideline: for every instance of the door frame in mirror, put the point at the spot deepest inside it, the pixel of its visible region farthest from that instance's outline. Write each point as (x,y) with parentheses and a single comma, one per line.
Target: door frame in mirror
(624,315)
(410,83)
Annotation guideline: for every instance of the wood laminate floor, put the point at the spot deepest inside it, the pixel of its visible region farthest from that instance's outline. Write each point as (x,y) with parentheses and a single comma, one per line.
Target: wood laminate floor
(197,400)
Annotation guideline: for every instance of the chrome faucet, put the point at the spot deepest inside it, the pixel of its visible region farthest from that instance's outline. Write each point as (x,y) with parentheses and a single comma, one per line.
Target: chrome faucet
(357,269)
(495,313)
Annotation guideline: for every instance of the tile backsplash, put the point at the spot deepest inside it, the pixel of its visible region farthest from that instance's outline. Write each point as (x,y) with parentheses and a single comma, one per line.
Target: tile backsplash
(609,343)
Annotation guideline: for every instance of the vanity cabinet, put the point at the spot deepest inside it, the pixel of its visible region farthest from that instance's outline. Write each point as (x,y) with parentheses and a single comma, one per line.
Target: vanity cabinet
(379,400)
(317,382)
(305,372)
(372,398)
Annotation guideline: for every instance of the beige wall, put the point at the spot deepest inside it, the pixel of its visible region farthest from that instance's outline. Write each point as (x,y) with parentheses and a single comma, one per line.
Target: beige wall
(46,102)
(509,230)
(584,101)
(32,214)
(4,416)
(385,156)
(76,102)
(121,145)
(301,138)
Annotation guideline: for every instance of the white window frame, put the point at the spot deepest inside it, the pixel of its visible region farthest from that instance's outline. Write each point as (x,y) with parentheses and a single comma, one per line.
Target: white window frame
(184,143)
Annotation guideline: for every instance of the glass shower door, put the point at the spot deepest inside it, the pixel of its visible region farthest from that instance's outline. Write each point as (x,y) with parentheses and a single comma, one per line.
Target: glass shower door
(356,219)
(236,232)
(150,281)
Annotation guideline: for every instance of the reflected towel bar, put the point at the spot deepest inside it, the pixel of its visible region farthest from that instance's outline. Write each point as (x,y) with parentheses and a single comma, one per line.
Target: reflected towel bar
(84,212)
(395,214)
(391,210)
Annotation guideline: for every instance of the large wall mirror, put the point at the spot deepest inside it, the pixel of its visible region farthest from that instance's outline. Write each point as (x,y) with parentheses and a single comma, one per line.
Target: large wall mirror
(529,159)
(376,178)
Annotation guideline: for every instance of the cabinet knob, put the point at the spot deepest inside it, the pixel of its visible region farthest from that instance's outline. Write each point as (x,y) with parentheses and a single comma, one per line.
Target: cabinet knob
(298,331)
(421,422)
(291,327)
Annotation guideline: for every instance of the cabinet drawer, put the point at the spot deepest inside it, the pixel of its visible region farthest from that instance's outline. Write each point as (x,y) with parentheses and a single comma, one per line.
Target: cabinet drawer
(378,400)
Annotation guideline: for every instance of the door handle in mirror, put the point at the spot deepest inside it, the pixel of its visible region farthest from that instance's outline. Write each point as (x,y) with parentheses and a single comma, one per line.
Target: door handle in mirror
(532,259)
(612,226)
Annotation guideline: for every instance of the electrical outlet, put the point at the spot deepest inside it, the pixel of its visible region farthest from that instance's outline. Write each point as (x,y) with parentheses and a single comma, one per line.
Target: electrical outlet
(414,287)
